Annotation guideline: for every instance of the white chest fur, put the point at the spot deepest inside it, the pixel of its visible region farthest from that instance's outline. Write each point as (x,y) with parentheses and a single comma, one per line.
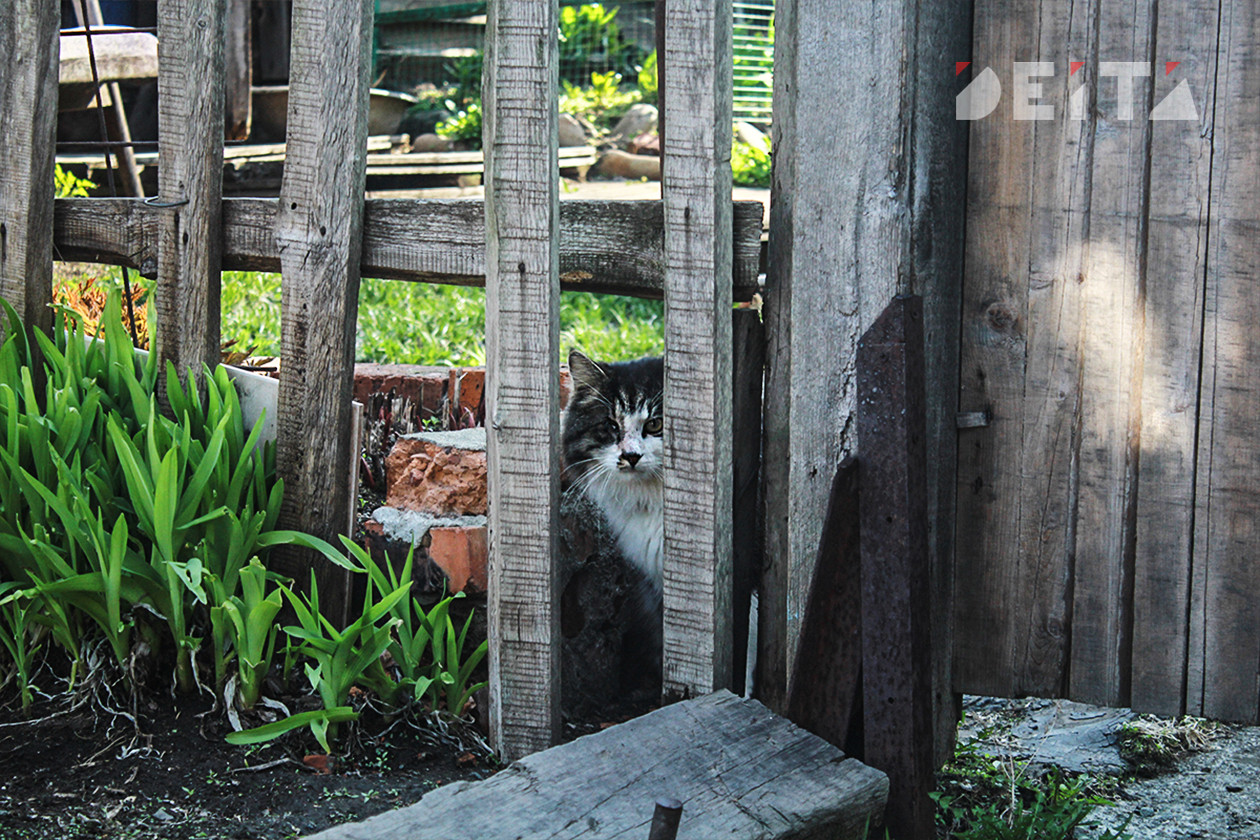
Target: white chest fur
(635,511)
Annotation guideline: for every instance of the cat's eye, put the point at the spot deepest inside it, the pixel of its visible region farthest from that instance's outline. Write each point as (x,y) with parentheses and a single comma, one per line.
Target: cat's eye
(652,426)
(613,428)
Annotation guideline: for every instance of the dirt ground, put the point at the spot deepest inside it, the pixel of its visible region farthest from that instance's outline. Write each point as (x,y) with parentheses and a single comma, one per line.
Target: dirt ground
(1211,791)
(71,776)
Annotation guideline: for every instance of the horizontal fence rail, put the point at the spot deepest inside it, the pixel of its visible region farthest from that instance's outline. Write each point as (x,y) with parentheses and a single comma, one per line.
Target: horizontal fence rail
(605,246)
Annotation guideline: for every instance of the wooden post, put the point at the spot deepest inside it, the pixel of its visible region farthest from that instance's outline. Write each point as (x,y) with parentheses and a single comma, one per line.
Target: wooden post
(319,235)
(865,206)
(28,120)
(522,372)
(190,182)
(238,104)
(697,196)
(896,596)
(825,695)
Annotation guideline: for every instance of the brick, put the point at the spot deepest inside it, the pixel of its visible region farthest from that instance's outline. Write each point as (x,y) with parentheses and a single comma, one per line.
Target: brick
(442,473)
(466,388)
(463,553)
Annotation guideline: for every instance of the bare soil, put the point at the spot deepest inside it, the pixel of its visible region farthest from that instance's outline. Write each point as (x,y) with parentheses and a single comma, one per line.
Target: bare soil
(87,774)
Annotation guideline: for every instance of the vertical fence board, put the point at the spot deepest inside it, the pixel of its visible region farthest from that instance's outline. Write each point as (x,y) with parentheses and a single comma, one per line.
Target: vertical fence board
(896,611)
(522,335)
(1180,161)
(697,198)
(1111,287)
(238,105)
(319,236)
(28,121)
(190,177)
(1026,216)
(1230,431)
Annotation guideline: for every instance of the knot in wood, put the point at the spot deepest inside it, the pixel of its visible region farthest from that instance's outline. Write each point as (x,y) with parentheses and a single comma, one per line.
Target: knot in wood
(1001,318)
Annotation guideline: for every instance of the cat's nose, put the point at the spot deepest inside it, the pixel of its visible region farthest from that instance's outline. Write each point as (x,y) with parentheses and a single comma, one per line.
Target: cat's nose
(631,458)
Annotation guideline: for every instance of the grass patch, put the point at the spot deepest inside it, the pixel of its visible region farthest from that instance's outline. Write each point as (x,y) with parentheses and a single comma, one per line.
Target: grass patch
(423,324)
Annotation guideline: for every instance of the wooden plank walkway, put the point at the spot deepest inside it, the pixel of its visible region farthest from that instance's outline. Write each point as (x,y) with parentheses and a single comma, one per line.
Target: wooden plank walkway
(739,770)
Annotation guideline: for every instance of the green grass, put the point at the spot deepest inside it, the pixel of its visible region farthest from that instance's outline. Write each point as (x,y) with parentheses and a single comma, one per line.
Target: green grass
(423,324)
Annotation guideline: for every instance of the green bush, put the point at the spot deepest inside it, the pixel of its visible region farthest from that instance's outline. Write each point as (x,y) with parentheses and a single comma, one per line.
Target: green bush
(750,164)
(590,41)
(464,127)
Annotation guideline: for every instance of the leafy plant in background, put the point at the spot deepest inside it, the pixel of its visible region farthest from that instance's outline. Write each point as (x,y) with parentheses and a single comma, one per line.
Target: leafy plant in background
(750,164)
(590,40)
(464,127)
(648,80)
(69,185)
(604,102)
(753,56)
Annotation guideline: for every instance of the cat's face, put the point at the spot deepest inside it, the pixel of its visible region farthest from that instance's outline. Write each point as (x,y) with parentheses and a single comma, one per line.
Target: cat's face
(613,424)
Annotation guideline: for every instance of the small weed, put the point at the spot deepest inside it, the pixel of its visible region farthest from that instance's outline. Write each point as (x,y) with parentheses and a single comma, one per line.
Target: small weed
(1152,745)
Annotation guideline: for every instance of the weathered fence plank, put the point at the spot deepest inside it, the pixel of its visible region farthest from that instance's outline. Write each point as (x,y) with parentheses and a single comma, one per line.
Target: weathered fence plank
(888,180)
(696,191)
(1111,282)
(238,60)
(1227,535)
(522,373)
(28,120)
(605,246)
(1180,161)
(896,618)
(1021,314)
(319,237)
(740,772)
(825,695)
(190,182)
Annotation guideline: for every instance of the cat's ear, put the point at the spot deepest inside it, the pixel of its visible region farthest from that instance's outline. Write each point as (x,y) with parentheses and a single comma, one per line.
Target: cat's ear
(585,373)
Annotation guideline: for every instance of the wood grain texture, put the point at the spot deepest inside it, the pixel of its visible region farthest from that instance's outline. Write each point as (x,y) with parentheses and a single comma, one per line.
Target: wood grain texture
(825,695)
(863,208)
(1180,160)
(319,237)
(522,373)
(1020,363)
(696,192)
(190,175)
(239,64)
(1112,284)
(28,120)
(896,601)
(119,56)
(605,246)
(1227,531)
(740,771)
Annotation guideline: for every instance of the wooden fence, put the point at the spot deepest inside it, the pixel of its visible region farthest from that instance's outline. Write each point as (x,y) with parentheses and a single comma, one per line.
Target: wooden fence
(868,187)
(1109,513)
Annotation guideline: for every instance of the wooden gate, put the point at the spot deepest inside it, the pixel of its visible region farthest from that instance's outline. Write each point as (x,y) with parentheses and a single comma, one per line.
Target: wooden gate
(1108,536)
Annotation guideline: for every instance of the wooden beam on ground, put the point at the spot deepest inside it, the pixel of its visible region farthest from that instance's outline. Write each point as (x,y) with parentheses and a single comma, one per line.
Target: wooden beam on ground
(896,595)
(28,120)
(697,196)
(319,237)
(739,771)
(522,214)
(605,246)
(190,183)
(825,695)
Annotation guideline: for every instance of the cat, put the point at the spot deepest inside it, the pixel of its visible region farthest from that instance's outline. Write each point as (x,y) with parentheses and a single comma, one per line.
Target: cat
(612,432)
